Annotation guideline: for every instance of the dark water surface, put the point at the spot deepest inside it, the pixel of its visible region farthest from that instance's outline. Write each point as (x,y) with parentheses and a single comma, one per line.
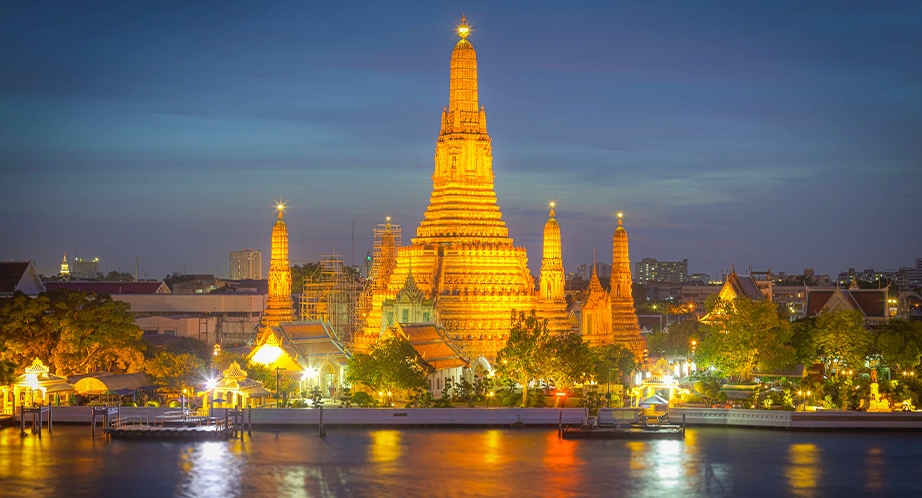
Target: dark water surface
(463,462)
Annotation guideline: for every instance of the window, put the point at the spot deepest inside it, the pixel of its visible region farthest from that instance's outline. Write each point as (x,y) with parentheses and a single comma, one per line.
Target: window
(150,332)
(390,318)
(426,316)
(169,332)
(406,316)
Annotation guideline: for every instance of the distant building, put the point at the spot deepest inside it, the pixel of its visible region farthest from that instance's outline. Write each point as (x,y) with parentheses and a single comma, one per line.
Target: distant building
(222,318)
(699,278)
(84,269)
(114,288)
(246,264)
(196,284)
(661,271)
(584,271)
(19,276)
(872,303)
(65,269)
(912,277)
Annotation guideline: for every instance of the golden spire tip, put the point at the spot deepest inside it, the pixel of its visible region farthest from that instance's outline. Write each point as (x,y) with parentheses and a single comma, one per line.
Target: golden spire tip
(463,28)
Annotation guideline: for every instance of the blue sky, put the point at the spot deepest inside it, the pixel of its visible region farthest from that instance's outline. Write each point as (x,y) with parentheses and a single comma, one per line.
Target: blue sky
(773,133)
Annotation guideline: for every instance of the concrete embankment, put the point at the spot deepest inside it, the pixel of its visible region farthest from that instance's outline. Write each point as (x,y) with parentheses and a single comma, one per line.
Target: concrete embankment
(777,419)
(365,417)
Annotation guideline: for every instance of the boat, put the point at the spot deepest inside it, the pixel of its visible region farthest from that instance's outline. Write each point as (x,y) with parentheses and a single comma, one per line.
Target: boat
(626,423)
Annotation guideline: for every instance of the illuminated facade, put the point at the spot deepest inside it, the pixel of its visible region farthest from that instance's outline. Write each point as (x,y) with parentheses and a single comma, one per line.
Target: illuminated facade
(279,307)
(624,325)
(462,256)
(552,305)
(65,269)
(595,312)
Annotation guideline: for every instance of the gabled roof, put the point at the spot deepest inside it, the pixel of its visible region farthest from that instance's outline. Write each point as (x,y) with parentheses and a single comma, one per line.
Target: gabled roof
(101,287)
(305,343)
(20,276)
(432,344)
(742,286)
(871,302)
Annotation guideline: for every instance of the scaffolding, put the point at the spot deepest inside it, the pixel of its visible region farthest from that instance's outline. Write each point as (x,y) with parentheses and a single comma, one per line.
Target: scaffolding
(331,294)
(364,306)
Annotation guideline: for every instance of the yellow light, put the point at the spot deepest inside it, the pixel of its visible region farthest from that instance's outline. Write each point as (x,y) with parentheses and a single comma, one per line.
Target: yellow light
(620,214)
(267,354)
(32,380)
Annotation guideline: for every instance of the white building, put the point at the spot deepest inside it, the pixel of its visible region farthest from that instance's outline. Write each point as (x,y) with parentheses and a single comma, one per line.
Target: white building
(246,264)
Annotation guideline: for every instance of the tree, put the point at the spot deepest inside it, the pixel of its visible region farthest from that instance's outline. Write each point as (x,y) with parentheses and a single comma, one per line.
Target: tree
(95,333)
(523,358)
(803,340)
(115,276)
(613,358)
(841,338)
(391,365)
(677,340)
(745,335)
(176,372)
(25,330)
(568,359)
(899,343)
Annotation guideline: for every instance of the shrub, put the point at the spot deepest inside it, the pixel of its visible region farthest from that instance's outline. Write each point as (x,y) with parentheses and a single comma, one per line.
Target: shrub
(363,399)
(152,404)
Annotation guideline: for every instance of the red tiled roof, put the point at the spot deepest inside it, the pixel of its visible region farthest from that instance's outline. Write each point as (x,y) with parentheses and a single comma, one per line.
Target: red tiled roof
(107,287)
(872,302)
(11,273)
(816,299)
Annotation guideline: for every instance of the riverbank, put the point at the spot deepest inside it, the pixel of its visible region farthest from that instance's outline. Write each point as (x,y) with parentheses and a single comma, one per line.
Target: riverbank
(527,417)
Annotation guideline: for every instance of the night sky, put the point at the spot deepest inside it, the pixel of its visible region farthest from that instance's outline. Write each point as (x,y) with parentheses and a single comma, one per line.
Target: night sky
(774,134)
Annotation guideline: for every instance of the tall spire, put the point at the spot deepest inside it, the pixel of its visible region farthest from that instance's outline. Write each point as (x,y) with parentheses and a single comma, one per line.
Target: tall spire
(552,276)
(625,327)
(65,268)
(463,113)
(279,306)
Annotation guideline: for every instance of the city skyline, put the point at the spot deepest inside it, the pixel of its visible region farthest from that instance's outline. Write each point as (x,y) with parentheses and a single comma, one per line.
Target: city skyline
(171,133)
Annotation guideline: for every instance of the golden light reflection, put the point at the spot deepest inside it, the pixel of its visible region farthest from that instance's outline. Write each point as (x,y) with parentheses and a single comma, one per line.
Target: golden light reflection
(385,446)
(209,467)
(874,468)
(638,455)
(803,470)
(492,449)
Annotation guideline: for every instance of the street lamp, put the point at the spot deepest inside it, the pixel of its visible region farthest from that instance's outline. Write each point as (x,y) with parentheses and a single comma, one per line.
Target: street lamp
(277,386)
(489,397)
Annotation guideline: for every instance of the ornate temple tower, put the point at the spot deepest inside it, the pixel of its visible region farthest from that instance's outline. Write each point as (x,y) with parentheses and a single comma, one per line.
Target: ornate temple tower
(625,328)
(376,292)
(552,305)
(65,268)
(595,314)
(462,256)
(279,307)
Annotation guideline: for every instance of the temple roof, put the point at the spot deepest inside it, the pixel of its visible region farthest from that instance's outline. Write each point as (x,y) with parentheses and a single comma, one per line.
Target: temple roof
(871,302)
(432,344)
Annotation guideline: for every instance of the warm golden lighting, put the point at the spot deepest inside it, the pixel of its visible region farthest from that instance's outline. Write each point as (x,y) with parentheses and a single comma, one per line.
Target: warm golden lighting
(463,28)
(620,214)
(267,354)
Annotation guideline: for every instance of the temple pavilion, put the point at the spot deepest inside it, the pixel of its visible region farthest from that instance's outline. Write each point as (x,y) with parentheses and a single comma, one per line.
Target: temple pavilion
(234,389)
(37,386)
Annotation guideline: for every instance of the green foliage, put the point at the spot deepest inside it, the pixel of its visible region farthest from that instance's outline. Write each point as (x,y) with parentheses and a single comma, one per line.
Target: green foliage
(363,399)
(746,335)
(200,349)
(176,372)
(842,340)
(615,358)
(677,341)
(114,276)
(346,398)
(568,360)
(316,397)
(390,366)
(803,340)
(524,356)
(73,332)
(899,343)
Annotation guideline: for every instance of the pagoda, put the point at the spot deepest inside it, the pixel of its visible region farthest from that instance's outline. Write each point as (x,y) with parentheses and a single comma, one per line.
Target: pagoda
(462,256)
(624,324)
(552,305)
(279,306)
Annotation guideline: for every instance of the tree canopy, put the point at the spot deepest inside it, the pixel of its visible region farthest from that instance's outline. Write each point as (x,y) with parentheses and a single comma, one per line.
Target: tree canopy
(524,356)
(899,343)
(391,365)
(176,371)
(744,336)
(842,340)
(75,332)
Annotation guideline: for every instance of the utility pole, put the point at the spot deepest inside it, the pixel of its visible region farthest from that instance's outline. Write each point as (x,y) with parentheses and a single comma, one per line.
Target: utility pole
(135,268)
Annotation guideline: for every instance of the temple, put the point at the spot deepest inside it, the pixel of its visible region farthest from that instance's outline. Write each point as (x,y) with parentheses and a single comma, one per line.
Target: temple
(624,325)
(552,304)
(279,306)
(462,257)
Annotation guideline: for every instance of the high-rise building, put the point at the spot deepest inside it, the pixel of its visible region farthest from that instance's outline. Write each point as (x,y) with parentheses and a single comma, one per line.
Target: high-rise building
(279,306)
(246,264)
(661,271)
(85,268)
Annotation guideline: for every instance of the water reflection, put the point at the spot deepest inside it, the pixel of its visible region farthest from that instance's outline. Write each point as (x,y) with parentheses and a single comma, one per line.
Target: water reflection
(803,469)
(208,469)
(446,462)
(874,469)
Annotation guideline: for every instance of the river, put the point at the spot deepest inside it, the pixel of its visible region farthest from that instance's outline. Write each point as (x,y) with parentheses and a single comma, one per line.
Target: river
(463,462)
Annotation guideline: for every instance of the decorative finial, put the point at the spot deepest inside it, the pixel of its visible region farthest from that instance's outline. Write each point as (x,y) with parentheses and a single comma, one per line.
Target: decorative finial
(620,216)
(552,204)
(281,209)
(463,28)
(388,219)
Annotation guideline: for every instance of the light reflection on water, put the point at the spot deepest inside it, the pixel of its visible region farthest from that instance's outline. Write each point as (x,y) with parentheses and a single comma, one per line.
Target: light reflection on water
(449,462)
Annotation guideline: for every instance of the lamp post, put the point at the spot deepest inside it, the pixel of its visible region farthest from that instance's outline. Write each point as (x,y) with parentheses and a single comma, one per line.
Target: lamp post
(278,397)
(608,395)
(489,397)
